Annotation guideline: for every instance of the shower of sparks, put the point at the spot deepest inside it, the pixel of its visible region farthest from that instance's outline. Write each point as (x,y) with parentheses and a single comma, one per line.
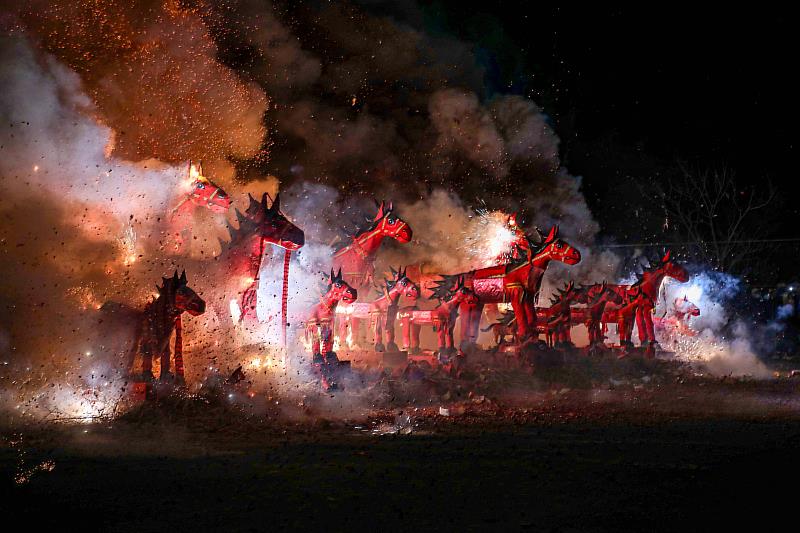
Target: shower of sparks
(488,238)
(127,244)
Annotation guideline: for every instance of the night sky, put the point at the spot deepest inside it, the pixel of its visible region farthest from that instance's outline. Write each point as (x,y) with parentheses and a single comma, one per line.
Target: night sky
(632,90)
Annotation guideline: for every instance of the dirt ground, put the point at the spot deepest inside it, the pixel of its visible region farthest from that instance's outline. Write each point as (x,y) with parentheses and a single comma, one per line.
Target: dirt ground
(681,454)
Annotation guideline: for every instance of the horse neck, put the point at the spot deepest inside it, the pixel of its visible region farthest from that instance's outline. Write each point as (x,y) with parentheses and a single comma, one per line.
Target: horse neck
(449,305)
(369,242)
(163,311)
(651,282)
(329,300)
(245,254)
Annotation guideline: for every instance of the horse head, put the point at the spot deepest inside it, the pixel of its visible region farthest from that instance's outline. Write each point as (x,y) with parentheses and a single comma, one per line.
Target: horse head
(206,193)
(183,297)
(339,290)
(272,224)
(462,294)
(388,224)
(400,284)
(556,249)
(672,269)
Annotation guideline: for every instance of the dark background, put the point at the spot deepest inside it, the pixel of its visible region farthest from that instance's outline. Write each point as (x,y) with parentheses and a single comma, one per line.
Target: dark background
(630,90)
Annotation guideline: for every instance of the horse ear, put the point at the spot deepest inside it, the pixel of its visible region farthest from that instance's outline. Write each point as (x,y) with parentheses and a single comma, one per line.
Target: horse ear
(381,211)
(264,202)
(200,168)
(339,275)
(389,207)
(665,259)
(183,276)
(553,234)
(333,276)
(175,275)
(276,204)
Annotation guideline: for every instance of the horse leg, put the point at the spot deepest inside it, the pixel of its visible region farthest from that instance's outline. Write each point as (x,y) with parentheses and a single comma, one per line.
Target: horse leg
(378,330)
(521,312)
(391,316)
(165,363)
(147,361)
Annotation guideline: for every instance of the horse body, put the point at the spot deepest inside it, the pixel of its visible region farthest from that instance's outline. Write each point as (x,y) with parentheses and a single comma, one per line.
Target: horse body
(443,317)
(357,259)
(319,320)
(518,283)
(241,256)
(155,324)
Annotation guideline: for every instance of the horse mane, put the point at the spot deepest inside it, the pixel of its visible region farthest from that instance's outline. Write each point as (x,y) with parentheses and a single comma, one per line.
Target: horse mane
(249,222)
(561,294)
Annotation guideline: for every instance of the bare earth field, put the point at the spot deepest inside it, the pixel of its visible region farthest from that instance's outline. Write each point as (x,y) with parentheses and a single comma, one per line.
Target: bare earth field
(693,454)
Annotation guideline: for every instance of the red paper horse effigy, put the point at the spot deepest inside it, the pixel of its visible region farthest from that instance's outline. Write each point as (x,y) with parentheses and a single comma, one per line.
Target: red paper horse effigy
(203,193)
(639,302)
(156,323)
(676,321)
(443,317)
(319,325)
(517,282)
(357,259)
(261,224)
(382,312)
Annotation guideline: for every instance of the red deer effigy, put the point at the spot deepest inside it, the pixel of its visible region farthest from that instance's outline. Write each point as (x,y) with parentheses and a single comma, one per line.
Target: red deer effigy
(319,325)
(261,224)
(357,259)
(443,317)
(154,327)
(517,282)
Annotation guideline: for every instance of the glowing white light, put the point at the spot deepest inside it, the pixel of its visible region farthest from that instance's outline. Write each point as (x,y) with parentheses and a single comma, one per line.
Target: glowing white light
(236,312)
(694,292)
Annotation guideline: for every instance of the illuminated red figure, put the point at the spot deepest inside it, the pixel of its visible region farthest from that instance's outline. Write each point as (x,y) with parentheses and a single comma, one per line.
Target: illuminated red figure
(443,318)
(639,302)
(159,319)
(675,323)
(517,282)
(408,304)
(357,259)
(555,321)
(260,225)
(601,299)
(383,311)
(319,321)
(650,284)
(203,193)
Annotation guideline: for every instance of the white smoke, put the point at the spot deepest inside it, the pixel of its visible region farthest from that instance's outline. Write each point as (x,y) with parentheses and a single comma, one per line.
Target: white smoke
(723,343)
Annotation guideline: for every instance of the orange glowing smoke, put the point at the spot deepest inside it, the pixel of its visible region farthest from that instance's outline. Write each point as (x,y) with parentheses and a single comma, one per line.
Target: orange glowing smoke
(151,70)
